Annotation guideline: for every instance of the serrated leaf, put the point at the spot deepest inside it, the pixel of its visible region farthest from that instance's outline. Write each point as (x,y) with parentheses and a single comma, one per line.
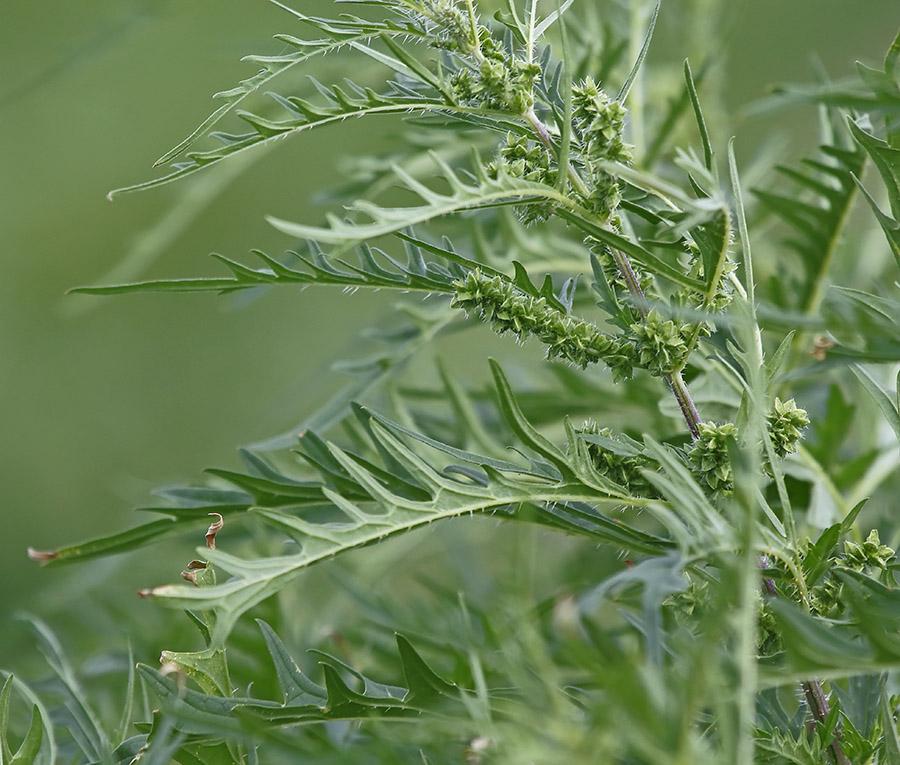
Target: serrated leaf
(886,159)
(485,191)
(387,510)
(304,115)
(338,33)
(423,683)
(86,727)
(318,268)
(818,214)
(296,688)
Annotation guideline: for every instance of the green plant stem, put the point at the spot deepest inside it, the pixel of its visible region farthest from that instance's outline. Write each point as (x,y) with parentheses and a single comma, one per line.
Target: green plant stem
(685,402)
(626,270)
(820,709)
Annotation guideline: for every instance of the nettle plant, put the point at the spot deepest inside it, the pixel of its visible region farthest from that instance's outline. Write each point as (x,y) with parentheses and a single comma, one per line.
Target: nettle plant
(695,461)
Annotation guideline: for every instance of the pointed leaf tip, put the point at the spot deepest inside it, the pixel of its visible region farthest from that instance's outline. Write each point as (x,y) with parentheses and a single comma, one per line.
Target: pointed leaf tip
(421,679)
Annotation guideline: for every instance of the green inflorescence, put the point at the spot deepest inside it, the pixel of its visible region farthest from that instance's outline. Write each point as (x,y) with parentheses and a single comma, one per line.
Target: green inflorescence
(868,554)
(786,424)
(869,557)
(507,309)
(496,78)
(530,161)
(708,456)
(661,344)
(617,461)
(598,124)
(452,29)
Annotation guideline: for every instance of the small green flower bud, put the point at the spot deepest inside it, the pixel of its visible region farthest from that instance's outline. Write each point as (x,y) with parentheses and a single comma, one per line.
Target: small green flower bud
(708,456)
(660,344)
(786,424)
(825,599)
(521,158)
(869,554)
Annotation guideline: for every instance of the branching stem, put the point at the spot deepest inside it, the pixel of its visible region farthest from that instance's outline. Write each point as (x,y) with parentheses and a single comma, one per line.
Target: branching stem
(626,270)
(815,695)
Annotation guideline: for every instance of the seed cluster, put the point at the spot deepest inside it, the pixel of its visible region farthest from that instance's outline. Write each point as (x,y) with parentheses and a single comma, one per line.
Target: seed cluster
(507,309)
(661,344)
(708,456)
(522,158)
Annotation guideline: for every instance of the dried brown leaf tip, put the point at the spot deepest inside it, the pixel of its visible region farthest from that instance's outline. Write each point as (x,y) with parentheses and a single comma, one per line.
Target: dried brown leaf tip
(190,573)
(42,555)
(214,528)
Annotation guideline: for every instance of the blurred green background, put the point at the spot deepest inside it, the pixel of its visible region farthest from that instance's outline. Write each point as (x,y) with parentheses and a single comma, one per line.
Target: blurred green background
(103,399)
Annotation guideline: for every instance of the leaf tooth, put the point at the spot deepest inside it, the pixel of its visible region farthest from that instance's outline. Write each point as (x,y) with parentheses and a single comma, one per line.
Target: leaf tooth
(375,488)
(426,193)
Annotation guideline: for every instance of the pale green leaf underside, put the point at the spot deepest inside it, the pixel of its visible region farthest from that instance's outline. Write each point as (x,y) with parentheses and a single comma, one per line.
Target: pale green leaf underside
(392,514)
(484,191)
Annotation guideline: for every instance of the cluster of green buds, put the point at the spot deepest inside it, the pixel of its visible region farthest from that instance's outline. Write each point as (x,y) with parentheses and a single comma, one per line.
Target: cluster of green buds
(617,459)
(522,158)
(526,159)
(708,456)
(869,557)
(497,79)
(611,271)
(449,26)
(507,309)
(825,599)
(870,554)
(690,601)
(786,424)
(661,344)
(769,637)
(598,123)
(655,344)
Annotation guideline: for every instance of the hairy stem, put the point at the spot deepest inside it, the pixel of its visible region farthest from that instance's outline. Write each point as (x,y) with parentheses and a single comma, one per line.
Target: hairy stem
(626,270)
(820,709)
(685,403)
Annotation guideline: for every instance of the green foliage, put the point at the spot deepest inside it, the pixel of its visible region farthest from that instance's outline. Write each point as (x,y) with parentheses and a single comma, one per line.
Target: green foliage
(694,585)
